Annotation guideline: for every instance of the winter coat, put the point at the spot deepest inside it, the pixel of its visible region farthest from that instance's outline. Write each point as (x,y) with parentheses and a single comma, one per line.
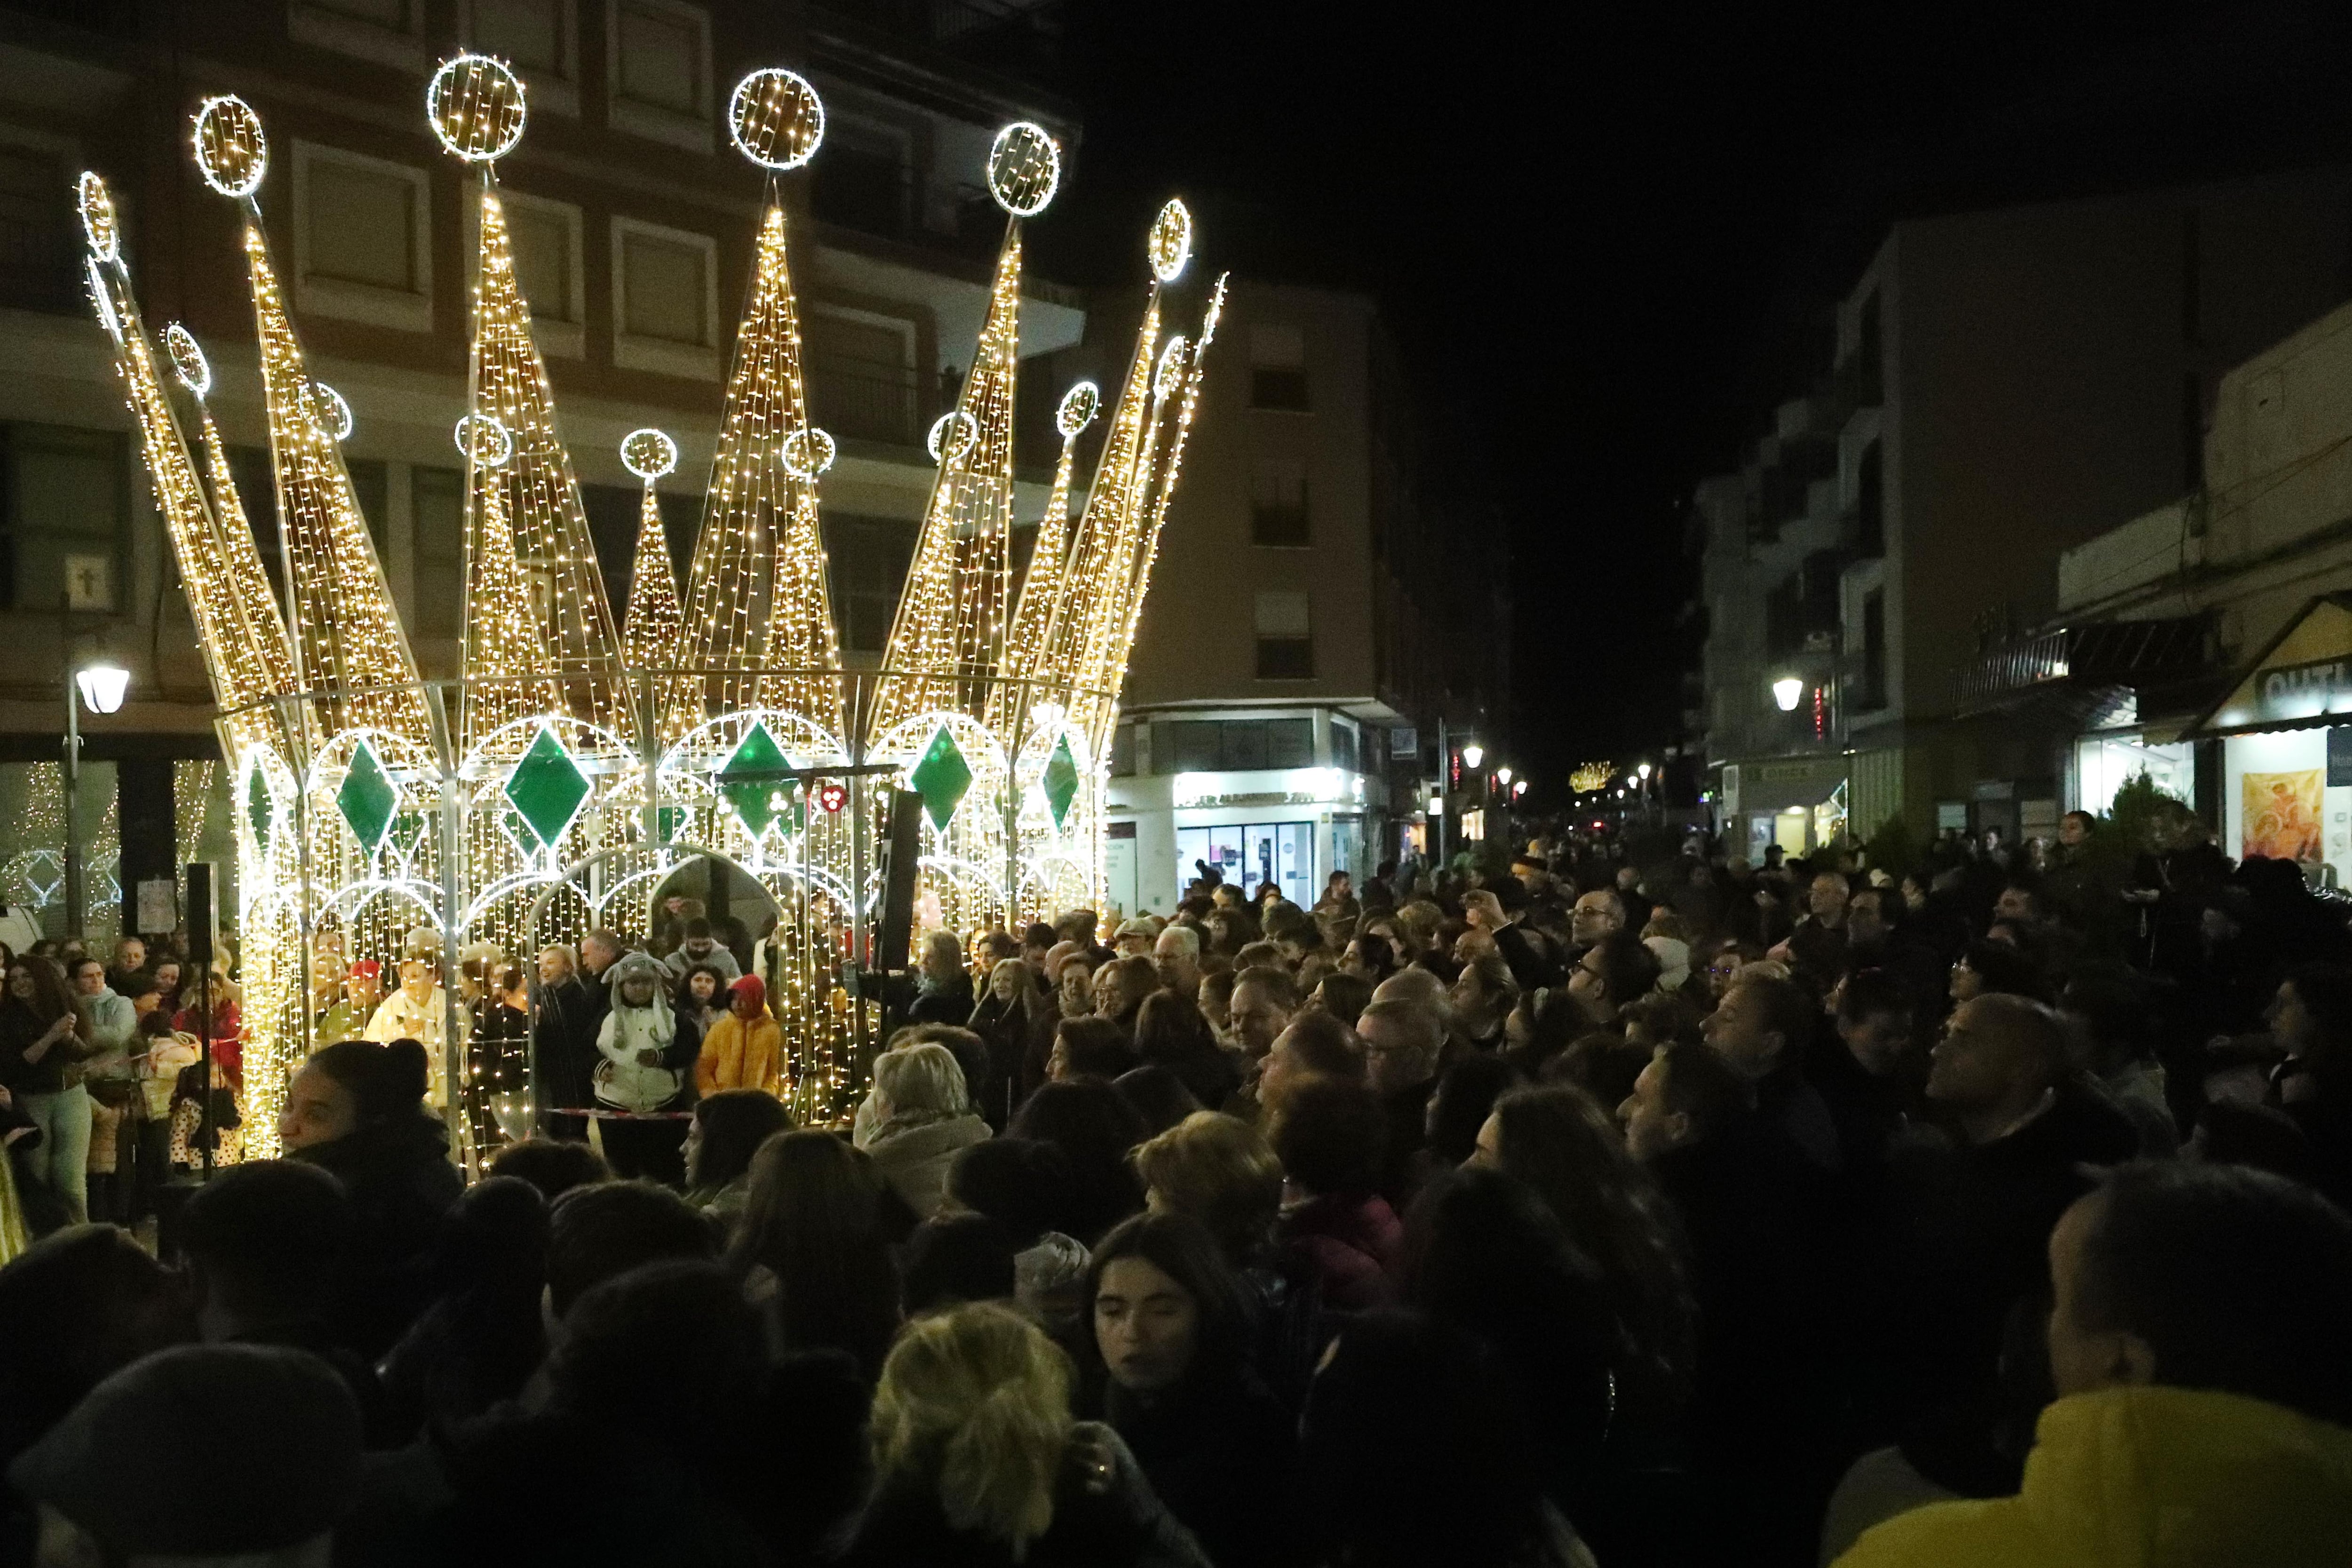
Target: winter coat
(913,1156)
(1219,1450)
(2146,1476)
(737,1056)
(401,1184)
(1352,1241)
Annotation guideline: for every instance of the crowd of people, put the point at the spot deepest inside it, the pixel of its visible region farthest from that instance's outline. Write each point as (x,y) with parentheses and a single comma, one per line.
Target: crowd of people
(1604,1207)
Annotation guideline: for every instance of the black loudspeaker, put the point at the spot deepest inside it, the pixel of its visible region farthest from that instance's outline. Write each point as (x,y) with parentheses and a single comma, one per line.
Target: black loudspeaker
(902,844)
(204,913)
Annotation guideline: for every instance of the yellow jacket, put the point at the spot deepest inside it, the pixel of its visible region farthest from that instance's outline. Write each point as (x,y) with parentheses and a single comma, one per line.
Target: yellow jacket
(732,1058)
(2148,1477)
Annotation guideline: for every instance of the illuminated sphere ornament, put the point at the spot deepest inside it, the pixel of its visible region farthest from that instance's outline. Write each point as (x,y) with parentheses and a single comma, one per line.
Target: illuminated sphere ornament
(188,362)
(952,435)
(648,454)
(808,452)
(1080,405)
(98,220)
(1171,246)
(476,106)
(775,118)
(333,414)
(1171,373)
(1024,167)
(231,152)
(486,440)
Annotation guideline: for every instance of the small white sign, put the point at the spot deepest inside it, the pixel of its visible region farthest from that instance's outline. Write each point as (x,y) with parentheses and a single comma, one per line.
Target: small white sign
(159,905)
(89,582)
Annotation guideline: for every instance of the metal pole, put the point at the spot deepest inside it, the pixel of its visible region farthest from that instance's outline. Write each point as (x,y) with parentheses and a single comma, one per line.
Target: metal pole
(74,899)
(1444,789)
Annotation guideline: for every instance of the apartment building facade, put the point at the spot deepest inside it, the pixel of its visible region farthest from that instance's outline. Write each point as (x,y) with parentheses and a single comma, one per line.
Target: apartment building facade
(2249,578)
(633,227)
(1311,617)
(2003,385)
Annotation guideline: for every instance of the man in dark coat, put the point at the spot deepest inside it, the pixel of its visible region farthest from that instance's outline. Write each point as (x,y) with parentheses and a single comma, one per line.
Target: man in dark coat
(1969,1226)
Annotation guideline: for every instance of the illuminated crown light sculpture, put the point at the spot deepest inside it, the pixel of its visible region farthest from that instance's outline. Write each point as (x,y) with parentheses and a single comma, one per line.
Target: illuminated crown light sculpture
(576,765)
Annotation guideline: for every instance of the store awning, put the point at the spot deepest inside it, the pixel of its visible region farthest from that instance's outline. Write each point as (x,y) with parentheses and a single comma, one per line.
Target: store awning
(1779,783)
(2302,679)
(2079,676)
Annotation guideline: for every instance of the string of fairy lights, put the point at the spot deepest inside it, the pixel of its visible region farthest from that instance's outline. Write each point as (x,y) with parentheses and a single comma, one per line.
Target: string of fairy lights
(547,526)
(654,628)
(948,631)
(578,763)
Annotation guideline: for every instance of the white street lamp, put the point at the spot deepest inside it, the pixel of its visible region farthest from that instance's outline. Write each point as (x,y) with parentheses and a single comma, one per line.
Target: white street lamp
(1503,777)
(1644,771)
(1786,692)
(101,688)
(1473,754)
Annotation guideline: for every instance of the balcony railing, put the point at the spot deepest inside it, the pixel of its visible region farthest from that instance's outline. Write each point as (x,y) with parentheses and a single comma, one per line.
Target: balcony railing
(865,400)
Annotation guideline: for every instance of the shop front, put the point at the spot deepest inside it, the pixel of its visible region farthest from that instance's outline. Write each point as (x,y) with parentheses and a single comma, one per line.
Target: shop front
(2285,730)
(1796,803)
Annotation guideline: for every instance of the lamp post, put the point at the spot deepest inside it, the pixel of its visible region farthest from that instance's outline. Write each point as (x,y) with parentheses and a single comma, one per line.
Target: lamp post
(101,687)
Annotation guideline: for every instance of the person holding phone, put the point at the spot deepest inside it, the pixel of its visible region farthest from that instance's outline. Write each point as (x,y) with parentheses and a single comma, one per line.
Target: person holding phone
(43,1044)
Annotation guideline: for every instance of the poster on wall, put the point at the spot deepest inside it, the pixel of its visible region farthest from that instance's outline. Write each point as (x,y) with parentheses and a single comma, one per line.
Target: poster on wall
(2282,815)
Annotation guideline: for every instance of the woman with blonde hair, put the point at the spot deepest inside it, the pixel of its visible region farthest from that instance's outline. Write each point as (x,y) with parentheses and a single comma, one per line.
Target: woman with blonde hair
(977,1459)
(925,1118)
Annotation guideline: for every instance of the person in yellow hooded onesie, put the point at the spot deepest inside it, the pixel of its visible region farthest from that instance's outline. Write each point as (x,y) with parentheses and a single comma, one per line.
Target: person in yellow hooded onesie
(2198,1346)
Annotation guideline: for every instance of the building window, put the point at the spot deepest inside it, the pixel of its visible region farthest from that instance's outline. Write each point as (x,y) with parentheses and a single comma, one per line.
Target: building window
(540,38)
(436,499)
(868,557)
(363,240)
(1874,650)
(665,299)
(1278,368)
(1278,515)
(40,246)
(1870,366)
(389,32)
(1240,745)
(864,179)
(550,267)
(1122,752)
(1870,503)
(1285,638)
(1343,746)
(64,496)
(861,377)
(658,75)
(529,35)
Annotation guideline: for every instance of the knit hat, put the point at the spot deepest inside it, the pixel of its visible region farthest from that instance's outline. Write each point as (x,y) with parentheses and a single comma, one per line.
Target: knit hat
(753,988)
(278,1462)
(638,966)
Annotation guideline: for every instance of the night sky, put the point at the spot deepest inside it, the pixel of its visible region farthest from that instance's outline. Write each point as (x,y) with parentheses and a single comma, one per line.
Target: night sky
(1607,244)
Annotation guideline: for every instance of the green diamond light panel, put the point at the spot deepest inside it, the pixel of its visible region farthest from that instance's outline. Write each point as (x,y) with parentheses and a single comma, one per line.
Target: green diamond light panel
(1061,782)
(368,799)
(941,778)
(547,786)
(758,799)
